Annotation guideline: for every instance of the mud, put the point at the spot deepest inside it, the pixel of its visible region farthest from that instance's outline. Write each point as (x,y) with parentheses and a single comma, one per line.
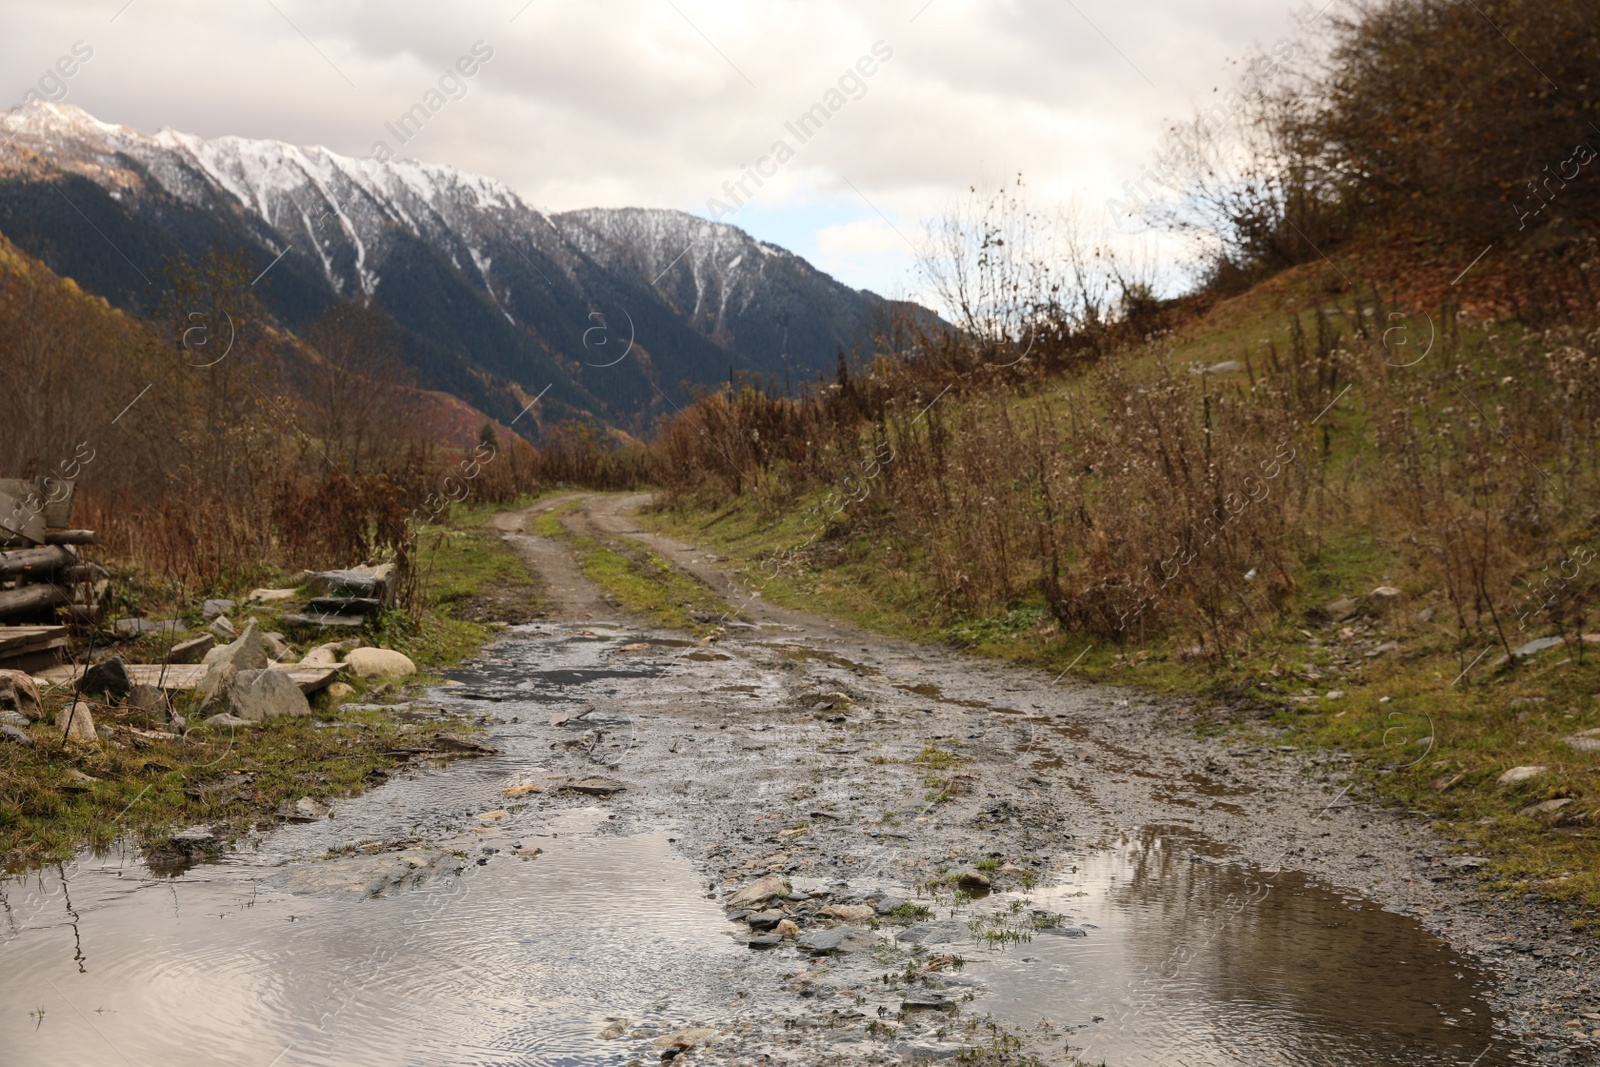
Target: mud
(1152,896)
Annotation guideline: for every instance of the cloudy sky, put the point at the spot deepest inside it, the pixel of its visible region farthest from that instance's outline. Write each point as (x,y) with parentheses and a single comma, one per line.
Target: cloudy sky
(660,103)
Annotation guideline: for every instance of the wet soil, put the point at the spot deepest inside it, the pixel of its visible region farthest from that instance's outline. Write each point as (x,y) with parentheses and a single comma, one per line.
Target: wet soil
(1152,897)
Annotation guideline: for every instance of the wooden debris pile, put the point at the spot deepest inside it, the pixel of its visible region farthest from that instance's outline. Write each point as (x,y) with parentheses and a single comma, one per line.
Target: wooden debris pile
(40,570)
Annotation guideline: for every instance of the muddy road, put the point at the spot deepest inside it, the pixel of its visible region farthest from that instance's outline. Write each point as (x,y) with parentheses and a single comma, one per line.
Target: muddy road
(796,843)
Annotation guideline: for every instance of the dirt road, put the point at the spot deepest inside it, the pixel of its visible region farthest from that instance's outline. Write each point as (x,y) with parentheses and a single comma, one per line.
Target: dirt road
(814,751)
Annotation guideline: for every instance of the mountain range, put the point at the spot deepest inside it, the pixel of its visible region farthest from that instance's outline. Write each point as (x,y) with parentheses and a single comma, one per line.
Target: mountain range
(611,313)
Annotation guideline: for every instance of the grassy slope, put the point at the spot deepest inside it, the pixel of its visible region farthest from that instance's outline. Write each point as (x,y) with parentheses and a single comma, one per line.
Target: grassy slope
(1422,737)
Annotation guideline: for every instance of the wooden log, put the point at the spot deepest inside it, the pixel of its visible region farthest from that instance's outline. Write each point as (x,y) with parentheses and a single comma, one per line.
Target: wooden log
(71,537)
(29,598)
(35,561)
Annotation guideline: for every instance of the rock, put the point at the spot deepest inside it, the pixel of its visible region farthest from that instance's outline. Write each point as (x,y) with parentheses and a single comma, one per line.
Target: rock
(222,629)
(14,735)
(1520,774)
(257,696)
(311,809)
(193,650)
(20,694)
(940,932)
(1065,931)
(786,928)
(973,879)
(1334,694)
(1584,744)
(765,940)
(758,892)
(224,719)
(764,920)
(248,653)
(836,939)
(851,912)
(77,722)
(12,718)
(1341,609)
(1384,597)
(683,1039)
(614,1029)
(597,787)
(212,608)
(363,876)
(1533,648)
(109,676)
(152,702)
(521,790)
(927,1003)
(328,655)
(271,596)
(277,648)
(339,690)
(379,663)
(1549,807)
(888,905)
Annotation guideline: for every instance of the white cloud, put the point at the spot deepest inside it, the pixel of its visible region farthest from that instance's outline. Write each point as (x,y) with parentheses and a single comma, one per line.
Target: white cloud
(620,102)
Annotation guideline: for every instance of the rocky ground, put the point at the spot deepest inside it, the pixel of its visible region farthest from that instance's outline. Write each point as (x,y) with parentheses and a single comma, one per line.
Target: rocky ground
(873,815)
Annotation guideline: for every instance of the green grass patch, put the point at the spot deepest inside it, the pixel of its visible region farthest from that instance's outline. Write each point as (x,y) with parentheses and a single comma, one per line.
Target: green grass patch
(644,583)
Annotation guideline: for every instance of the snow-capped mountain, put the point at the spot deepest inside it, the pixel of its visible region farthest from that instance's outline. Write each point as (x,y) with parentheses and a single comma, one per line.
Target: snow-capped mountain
(497,300)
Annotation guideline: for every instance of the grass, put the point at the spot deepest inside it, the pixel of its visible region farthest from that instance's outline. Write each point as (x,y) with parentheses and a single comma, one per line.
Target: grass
(640,580)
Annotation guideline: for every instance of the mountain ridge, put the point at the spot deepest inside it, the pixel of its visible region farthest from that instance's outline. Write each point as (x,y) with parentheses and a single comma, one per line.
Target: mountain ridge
(498,301)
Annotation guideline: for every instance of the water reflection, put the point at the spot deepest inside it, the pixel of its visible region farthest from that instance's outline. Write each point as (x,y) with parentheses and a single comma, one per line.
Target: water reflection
(1191,960)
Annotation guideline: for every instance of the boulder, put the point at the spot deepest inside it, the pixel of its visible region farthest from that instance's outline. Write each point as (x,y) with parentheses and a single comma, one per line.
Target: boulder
(193,650)
(338,690)
(973,879)
(836,939)
(77,721)
(277,647)
(328,655)
(248,653)
(14,736)
(1384,597)
(1520,774)
(259,695)
(109,676)
(12,718)
(849,912)
(786,928)
(379,663)
(271,596)
(758,892)
(152,702)
(212,608)
(19,694)
(1341,609)
(941,932)
(222,629)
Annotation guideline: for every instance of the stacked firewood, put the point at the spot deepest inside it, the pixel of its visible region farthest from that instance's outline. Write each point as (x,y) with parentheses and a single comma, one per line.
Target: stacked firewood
(40,569)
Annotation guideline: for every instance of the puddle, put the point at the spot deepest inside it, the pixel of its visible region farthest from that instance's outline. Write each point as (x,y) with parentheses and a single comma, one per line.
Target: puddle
(514,962)
(1190,960)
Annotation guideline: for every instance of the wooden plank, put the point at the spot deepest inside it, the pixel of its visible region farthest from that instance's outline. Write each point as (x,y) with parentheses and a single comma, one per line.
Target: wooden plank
(71,537)
(190,675)
(27,638)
